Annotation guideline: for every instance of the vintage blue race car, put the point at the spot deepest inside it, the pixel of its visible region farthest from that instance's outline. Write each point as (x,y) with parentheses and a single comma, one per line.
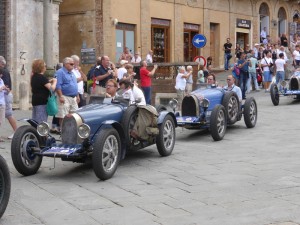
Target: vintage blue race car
(214,109)
(101,131)
(286,88)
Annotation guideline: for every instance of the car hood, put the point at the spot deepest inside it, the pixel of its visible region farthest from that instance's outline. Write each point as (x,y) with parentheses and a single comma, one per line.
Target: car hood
(95,114)
(214,95)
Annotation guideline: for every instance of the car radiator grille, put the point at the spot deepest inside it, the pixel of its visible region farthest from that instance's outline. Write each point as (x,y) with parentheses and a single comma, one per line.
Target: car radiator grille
(190,106)
(294,84)
(69,129)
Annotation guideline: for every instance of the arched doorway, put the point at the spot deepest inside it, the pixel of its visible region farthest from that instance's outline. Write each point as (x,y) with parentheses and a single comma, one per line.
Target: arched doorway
(282,18)
(264,15)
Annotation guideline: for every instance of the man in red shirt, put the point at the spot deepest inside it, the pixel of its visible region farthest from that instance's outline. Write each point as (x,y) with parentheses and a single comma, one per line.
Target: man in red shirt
(146,80)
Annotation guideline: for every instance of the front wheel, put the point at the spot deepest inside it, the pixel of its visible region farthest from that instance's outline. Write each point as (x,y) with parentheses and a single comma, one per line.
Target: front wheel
(25,161)
(165,140)
(4,185)
(106,153)
(250,112)
(218,123)
(274,94)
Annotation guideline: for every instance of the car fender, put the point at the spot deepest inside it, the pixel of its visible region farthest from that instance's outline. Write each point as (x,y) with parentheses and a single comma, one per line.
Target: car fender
(31,122)
(162,116)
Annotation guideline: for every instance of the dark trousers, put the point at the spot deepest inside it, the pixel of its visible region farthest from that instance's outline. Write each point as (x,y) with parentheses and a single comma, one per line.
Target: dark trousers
(82,101)
(244,76)
(147,93)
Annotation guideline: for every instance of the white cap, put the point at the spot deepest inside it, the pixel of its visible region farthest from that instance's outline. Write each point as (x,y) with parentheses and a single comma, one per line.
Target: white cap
(122,62)
(256,44)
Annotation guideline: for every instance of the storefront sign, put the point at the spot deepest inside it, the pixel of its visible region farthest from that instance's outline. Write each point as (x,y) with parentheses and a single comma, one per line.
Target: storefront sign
(160,22)
(189,26)
(88,56)
(243,23)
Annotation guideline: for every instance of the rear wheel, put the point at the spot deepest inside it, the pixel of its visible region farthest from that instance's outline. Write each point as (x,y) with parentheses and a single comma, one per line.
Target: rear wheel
(128,121)
(218,123)
(250,112)
(106,153)
(5,185)
(274,94)
(24,159)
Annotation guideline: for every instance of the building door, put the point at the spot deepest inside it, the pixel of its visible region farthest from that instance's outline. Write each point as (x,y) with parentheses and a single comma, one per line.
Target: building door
(282,21)
(124,38)
(242,39)
(264,13)
(189,50)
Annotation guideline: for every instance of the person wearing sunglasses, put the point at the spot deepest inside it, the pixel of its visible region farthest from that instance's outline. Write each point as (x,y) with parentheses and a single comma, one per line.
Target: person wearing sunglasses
(232,87)
(66,89)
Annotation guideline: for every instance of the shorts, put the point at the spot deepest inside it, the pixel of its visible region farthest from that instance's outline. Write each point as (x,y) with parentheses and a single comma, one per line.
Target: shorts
(267,76)
(68,107)
(8,103)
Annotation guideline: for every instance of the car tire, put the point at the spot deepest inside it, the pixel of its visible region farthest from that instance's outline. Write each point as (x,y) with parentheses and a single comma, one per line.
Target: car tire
(218,123)
(165,140)
(274,94)
(106,153)
(24,160)
(5,185)
(232,106)
(250,112)
(128,121)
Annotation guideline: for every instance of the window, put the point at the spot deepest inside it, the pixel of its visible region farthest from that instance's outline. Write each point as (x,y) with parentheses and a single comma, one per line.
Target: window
(160,40)
(190,51)
(124,38)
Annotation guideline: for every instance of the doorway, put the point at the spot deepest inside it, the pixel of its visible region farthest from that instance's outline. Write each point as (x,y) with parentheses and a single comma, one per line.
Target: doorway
(242,39)
(189,50)
(214,50)
(124,38)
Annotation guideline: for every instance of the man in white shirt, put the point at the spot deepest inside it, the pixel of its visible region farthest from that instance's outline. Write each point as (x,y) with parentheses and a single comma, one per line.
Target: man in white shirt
(138,93)
(81,77)
(149,58)
(282,50)
(122,70)
(136,58)
(181,84)
(231,87)
(280,65)
(296,55)
(263,34)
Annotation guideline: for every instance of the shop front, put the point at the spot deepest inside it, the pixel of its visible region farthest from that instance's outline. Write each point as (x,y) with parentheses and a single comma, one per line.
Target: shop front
(243,34)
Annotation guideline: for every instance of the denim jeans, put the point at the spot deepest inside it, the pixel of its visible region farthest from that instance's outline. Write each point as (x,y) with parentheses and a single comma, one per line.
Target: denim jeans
(147,93)
(243,82)
(252,76)
(226,61)
(279,76)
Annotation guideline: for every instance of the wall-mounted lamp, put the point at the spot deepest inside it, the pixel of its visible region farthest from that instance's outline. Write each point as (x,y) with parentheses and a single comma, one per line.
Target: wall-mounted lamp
(115,21)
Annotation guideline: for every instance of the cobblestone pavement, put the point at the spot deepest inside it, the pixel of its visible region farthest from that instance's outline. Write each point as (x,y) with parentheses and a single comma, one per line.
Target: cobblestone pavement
(252,177)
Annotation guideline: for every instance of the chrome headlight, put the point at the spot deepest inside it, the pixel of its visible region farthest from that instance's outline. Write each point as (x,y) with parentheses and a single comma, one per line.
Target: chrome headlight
(204,103)
(84,131)
(43,129)
(173,103)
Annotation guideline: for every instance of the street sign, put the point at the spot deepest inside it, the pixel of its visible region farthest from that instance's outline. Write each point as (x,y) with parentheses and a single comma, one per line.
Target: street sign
(199,41)
(200,60)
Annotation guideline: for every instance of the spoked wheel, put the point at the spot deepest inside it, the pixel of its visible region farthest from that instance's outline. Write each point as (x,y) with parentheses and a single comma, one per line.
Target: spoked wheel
(24,159)
(5,185)
(250,112)
(166,138)
(232,106)
(106,153)
(218,123)
(274,92)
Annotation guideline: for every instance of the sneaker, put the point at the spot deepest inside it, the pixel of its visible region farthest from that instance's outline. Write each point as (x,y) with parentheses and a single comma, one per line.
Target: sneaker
(11,136)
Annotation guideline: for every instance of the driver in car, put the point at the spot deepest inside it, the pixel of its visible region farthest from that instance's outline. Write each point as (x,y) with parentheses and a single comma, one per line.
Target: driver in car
(111,88)
(126,90)
(232,87)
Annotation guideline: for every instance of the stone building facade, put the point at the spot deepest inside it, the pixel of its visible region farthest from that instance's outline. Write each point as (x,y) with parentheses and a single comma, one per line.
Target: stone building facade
(168,26)
(29,30)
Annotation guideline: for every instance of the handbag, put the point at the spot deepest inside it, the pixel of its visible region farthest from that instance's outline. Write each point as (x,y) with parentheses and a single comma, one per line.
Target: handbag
(51,107)
(237,70)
